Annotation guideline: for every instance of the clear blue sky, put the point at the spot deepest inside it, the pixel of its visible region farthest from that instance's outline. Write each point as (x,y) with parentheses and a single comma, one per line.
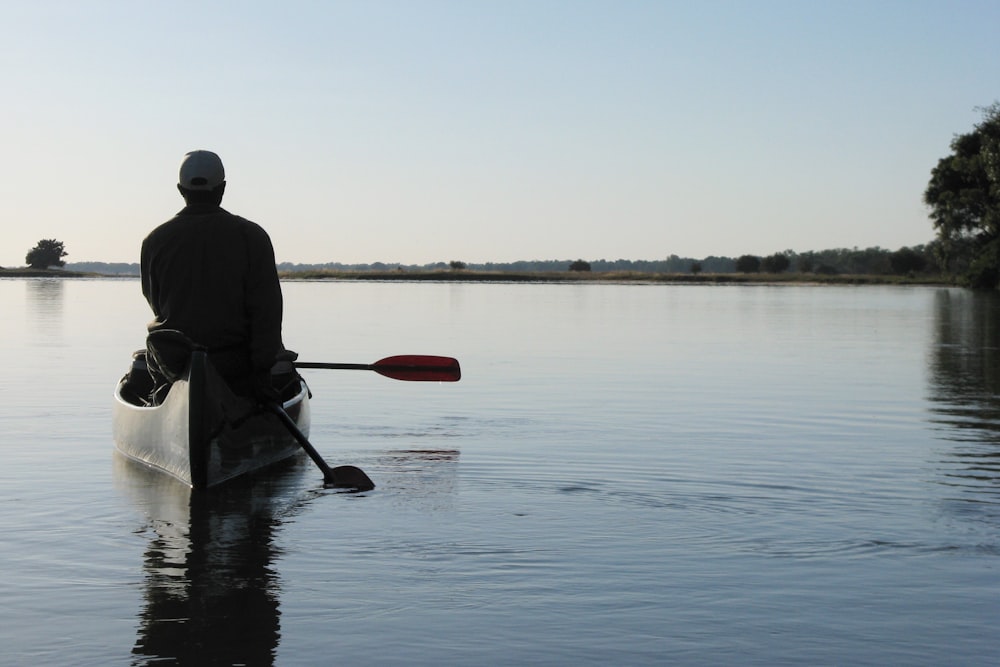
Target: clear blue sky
(418,131)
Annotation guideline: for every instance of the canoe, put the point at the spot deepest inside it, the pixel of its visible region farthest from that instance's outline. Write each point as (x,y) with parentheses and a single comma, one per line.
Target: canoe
(202,433)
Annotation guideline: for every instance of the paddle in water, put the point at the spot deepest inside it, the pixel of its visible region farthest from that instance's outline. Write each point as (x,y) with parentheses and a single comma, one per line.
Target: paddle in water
(340,477)
(410,367)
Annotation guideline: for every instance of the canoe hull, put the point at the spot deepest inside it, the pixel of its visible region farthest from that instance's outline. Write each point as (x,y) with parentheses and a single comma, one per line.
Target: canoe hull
(202,433)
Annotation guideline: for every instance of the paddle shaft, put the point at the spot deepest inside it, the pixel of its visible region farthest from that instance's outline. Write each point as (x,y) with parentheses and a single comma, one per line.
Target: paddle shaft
(411,367)
(339,476)
(303,441)
(336,367)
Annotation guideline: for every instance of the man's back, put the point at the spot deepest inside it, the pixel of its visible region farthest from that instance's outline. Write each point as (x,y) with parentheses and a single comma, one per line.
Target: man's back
(211,275)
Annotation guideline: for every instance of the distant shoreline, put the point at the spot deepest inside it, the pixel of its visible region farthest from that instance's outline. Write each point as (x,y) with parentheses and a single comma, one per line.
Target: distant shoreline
(570,277)
(579,277)
(47,273)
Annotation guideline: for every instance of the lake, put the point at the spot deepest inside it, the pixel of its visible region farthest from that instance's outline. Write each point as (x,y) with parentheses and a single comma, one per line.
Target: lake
(626,474)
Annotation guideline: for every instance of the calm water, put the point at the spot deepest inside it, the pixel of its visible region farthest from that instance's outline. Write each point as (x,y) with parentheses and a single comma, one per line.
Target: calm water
(625,475)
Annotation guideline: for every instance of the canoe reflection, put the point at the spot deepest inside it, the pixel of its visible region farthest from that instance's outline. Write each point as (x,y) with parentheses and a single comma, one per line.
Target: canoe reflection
(211,589)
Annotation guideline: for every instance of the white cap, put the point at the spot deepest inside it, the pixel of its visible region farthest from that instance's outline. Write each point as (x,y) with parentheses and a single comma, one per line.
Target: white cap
(201,170)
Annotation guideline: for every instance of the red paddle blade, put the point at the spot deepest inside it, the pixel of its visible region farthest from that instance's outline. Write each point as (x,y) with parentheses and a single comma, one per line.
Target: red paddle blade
(419,368)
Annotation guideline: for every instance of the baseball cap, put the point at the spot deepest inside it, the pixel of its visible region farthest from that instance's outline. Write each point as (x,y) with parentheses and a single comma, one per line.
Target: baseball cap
(201,170)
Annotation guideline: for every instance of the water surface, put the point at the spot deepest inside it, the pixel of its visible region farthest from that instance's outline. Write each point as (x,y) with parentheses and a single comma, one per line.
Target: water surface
(626,474)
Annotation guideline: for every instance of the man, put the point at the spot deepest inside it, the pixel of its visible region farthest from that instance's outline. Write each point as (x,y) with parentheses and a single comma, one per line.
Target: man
(210,275)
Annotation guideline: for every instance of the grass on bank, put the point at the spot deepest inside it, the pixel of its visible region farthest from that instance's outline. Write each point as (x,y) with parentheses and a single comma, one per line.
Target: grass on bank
(26,272)
(471,276)
(466,275)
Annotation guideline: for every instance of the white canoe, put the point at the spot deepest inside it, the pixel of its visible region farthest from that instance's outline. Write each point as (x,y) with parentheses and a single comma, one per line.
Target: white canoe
(202,433)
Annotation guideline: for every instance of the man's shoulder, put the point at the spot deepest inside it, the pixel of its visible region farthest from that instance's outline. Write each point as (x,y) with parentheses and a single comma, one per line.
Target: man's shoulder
(205,215)
(164,227)
(192,219)
(245,223)
(239,218)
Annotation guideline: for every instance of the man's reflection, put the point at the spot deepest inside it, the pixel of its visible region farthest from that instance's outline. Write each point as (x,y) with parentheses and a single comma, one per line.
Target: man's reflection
(211,589)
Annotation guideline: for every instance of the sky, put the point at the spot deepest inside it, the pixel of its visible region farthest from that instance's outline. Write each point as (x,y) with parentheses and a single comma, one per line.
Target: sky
(420,131)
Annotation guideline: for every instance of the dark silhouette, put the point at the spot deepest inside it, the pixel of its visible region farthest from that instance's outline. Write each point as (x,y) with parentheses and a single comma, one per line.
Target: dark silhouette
(210,275)
(46,253)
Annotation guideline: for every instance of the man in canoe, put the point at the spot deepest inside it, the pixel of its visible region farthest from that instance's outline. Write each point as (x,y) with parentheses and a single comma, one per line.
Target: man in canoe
(211,280)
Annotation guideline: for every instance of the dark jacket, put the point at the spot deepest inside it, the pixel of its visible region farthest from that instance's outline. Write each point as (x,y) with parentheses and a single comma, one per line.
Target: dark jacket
(211,275)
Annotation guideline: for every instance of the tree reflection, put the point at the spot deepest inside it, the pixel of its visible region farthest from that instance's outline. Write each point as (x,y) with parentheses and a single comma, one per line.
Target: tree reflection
(45,310)
(965,384)
(211,590)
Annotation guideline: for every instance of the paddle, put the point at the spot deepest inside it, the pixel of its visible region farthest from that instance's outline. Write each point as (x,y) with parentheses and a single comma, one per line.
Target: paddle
(341,476)
(412,367)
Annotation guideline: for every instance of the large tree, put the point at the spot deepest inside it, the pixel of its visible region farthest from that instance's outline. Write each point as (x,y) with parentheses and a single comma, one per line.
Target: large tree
(748,264)
(776,263)
(48,252)
(964,197)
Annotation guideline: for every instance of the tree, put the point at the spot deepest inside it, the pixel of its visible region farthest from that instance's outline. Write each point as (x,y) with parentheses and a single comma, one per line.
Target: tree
(46,253)
(748,264)
(457,265)
(579,265)
(695,268)
(806,262)
(964,197)
(776,263)
(907,261)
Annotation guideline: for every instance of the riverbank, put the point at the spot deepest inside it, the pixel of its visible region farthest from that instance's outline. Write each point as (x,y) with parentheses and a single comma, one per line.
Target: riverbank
(460,276)
(46,273)
(614,277)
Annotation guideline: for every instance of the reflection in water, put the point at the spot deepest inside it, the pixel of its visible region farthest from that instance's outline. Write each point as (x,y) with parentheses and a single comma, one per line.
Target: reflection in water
(211,590)
(965,388)
(45,310)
